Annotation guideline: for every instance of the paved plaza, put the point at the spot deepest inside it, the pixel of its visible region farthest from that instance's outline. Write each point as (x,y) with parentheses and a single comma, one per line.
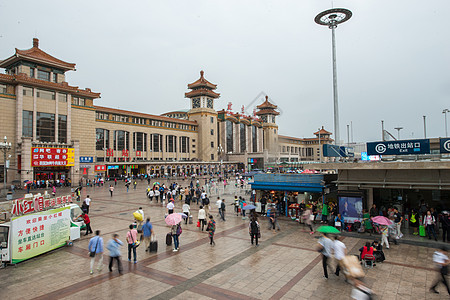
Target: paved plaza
(284,266)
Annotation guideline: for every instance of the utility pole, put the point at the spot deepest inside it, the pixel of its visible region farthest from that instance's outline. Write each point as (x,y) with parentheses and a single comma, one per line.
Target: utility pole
(425,126)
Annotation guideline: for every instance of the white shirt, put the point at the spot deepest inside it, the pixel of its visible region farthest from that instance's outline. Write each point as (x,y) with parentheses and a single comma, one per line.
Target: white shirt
(170,206)
(141,212)
(202,214)
(88,201)
(219,203)
(186,208)
(339,249)
(203,195)
(439,257)
(151,193)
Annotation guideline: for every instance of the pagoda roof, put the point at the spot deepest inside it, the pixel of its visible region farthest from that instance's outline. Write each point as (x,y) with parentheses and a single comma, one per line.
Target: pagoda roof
(37,55)
(202,82)
(266,104)
(201,92)
(267,111)
(23,78)
(322,132)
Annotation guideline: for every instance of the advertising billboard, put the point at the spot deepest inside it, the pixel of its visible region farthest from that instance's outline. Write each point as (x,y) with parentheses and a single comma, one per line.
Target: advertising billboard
(51,157)
(351,208)
(403,147)
(40,232)
(444,145)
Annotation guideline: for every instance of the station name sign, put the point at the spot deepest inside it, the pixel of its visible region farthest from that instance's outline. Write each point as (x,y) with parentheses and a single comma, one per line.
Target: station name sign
(403,147)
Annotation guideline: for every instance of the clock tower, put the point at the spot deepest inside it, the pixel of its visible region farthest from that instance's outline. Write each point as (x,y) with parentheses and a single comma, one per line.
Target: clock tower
(202,111)
(267,113)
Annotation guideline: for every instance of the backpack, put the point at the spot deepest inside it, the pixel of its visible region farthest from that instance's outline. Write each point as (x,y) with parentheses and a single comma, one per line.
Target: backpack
(179,230)
(206,201)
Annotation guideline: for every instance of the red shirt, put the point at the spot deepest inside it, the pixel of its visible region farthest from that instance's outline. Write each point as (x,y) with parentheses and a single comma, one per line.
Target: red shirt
(86,219)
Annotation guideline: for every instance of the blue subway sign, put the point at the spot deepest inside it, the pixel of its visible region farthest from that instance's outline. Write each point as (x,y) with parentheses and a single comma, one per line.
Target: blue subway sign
(403,147)
(444,145)
(86,159)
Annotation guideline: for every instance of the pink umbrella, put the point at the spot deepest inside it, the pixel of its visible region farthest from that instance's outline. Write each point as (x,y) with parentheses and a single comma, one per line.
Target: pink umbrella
(381,220)
(173,219)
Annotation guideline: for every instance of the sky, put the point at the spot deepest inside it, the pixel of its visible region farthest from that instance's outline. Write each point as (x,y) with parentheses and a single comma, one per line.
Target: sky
(393,57)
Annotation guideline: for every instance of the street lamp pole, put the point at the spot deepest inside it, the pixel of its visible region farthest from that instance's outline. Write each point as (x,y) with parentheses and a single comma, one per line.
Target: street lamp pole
(398,131)
(445,111)
(332,18)
(5,147)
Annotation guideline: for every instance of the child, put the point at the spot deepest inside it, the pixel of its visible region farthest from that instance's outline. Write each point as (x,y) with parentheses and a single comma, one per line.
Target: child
(339,222)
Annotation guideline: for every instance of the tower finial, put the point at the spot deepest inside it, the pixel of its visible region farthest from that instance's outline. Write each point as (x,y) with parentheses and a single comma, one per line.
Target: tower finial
(267,98)
(201,73)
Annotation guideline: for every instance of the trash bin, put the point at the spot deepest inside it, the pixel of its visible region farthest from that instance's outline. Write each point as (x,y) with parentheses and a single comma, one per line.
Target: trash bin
(9,196)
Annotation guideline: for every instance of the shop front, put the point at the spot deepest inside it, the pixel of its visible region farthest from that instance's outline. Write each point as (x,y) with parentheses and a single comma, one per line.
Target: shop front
(289,190)
(51,164)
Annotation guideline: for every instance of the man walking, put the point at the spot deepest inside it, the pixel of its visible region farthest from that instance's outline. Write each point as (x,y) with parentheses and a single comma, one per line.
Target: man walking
(114,252)
(325,246)
(222,210)
(96,250)
(147,231)
(339,253)
(398,222)
(441,260)
(131,240)
(111,189)
(88,202)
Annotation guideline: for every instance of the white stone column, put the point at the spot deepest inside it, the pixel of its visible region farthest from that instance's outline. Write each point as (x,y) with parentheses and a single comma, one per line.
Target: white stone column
(35,72)
(27,169)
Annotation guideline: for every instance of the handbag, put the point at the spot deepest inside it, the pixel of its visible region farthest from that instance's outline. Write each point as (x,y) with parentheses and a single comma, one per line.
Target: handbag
(92,254)
(136,243)
(198,223)
(337,224)
(311,217)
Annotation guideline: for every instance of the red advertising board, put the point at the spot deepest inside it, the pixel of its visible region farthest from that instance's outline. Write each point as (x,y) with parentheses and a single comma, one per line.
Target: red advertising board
(100,168)
(41,157)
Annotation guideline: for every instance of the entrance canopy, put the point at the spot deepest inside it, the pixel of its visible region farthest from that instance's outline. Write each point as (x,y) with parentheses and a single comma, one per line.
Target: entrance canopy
(313,183)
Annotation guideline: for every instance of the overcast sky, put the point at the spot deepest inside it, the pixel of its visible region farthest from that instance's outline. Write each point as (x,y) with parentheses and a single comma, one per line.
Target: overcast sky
(393,57)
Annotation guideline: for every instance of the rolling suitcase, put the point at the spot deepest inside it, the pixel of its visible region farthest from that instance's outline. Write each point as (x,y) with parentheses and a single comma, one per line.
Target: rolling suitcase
(169,239)
(191,220)
(422,230)
(153,246)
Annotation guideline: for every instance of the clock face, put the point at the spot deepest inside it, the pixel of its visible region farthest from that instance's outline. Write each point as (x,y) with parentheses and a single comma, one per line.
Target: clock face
(209,103)
(264,119)
(196,103)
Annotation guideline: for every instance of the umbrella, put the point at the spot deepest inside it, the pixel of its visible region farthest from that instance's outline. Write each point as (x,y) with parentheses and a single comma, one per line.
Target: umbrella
(184,216)
(173,219)
(249,206)
(381,220)
(328,229)
(154,183)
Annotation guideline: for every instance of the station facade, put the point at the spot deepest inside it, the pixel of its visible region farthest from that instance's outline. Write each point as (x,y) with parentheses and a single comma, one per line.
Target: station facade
(58,132)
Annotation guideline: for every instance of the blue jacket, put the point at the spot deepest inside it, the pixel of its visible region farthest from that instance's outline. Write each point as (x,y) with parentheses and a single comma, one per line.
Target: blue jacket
(114,247)
(96,244)
(147,229)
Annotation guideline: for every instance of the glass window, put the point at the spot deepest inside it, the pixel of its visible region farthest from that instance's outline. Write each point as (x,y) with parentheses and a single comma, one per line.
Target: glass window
(45,127)
(229,136)
(43,75)
(31,72)
(156,142)
(2,88)
(45,94)
(212,120)
(212,156)
(243,137)
(212,131)
(139,141)
(62,97)
(27,123)
(101,139)
(55,77)
(171,143)
(62,128)
(255,138)
(184,144)
(212,144)
(27,91)
(121,140)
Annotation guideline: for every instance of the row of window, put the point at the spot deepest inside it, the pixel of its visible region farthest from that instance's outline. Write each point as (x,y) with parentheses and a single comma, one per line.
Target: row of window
(143,121)
(43,94)
(43,75)
(140,141)
(242,137)
(45,126)
(297,150)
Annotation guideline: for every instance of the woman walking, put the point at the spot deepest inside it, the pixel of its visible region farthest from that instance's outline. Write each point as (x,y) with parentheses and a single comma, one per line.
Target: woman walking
(202,217)
(429,221)
(211,228)
(253,228)
(176,231)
